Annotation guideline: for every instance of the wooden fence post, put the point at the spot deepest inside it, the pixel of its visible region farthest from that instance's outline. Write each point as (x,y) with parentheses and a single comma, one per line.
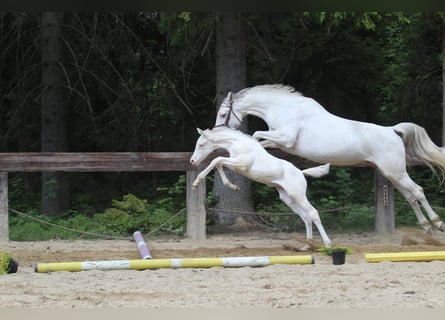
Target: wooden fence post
(196,211)
(4,221)
(384,204)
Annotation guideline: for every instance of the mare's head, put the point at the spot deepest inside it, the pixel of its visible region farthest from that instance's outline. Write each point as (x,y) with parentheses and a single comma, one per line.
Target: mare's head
(227,115)
(236,106)
(204,147)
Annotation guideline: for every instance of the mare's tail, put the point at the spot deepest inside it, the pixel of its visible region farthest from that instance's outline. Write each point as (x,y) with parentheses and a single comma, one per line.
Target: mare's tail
(419,147)
(317,171)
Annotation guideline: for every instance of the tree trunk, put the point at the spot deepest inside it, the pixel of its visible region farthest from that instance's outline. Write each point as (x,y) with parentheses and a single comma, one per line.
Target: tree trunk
(54,194)
(230,76)
(443,84)
(443,87)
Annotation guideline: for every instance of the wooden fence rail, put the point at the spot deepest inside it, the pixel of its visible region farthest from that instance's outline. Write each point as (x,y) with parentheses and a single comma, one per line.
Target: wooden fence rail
(156,161)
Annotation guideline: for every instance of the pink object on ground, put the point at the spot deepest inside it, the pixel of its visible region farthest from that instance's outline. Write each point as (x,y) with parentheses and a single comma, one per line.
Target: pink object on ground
(142,246)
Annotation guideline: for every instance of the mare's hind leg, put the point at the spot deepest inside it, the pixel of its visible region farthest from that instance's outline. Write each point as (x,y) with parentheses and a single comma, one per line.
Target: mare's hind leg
(413,193)
(433,216)
(275,138)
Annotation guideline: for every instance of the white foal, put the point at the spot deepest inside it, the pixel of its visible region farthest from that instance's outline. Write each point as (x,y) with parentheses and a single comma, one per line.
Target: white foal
(248,158)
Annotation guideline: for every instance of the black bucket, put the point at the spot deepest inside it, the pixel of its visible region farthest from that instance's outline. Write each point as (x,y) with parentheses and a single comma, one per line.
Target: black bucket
(13,266)
(338,257)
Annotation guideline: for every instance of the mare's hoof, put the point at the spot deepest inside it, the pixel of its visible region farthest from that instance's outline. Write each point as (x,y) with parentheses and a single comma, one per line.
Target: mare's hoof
(441,226)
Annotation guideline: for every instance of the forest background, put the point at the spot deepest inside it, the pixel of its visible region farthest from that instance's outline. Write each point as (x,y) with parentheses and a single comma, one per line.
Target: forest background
(143,82)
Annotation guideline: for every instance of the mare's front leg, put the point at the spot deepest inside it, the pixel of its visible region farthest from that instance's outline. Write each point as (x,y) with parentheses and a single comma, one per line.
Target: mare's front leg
(275,138)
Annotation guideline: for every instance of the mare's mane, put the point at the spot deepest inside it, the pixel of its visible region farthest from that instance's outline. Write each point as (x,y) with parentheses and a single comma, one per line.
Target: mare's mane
(271,88)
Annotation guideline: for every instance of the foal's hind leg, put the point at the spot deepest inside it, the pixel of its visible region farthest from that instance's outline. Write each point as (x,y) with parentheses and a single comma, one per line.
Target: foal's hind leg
(307,221)
(308,214)
(313,216)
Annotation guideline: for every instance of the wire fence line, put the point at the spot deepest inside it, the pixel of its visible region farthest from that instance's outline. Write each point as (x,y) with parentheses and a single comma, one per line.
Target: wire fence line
(41,221)
(177,214)
(107,236)
(288,213)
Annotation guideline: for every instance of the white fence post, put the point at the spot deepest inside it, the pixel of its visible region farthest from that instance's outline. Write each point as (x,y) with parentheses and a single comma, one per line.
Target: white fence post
(196,211)
(384,205)
(4,208)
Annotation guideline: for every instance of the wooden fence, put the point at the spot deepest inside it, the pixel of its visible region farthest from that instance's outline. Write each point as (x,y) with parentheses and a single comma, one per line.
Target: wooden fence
(157,161)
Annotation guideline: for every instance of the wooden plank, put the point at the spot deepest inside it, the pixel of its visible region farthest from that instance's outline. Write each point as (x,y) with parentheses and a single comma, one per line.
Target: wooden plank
(196,211)
(117,161)
(4,221)
(384,205)
(95,162)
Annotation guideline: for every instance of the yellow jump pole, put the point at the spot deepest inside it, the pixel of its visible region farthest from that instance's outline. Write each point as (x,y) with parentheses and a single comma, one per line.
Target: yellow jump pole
(260,261)
(405,256)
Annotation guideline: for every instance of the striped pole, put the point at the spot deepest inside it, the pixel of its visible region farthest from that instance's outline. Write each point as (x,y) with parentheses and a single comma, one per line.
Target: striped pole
(425,256)
(230,262)
(142,246)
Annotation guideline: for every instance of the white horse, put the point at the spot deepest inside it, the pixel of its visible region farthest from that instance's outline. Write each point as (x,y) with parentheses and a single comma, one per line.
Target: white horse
(301,126)
(248,158)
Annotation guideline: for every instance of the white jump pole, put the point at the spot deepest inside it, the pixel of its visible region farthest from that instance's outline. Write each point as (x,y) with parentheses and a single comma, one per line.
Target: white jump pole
(232,262)
(142,246)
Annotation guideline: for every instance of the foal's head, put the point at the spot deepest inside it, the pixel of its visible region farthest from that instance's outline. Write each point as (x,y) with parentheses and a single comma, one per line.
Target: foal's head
(204,147)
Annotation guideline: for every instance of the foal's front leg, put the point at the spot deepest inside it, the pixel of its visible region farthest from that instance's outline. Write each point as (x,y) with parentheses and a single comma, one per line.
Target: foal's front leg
(219,162)
(204,173)
(226,180)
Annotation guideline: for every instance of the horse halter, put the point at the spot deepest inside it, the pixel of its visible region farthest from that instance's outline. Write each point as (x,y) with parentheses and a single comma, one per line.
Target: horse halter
(226,121)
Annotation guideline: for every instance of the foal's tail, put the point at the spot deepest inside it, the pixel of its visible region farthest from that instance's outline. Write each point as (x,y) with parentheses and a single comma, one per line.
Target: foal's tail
(419,147)
(317,171)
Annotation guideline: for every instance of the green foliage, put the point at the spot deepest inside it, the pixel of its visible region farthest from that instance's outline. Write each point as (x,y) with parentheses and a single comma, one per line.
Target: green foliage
(23,229)
(5,259)
(358,218)
(365,20)
(130,205)
(117,222)
(186,16)
(328,251)
(82,223)
(409,88)
(336,197)
(125,216)
(173,195)
(132,214)
(17,198)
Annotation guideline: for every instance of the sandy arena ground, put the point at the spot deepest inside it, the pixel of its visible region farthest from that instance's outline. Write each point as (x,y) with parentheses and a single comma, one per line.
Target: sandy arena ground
(356,284)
